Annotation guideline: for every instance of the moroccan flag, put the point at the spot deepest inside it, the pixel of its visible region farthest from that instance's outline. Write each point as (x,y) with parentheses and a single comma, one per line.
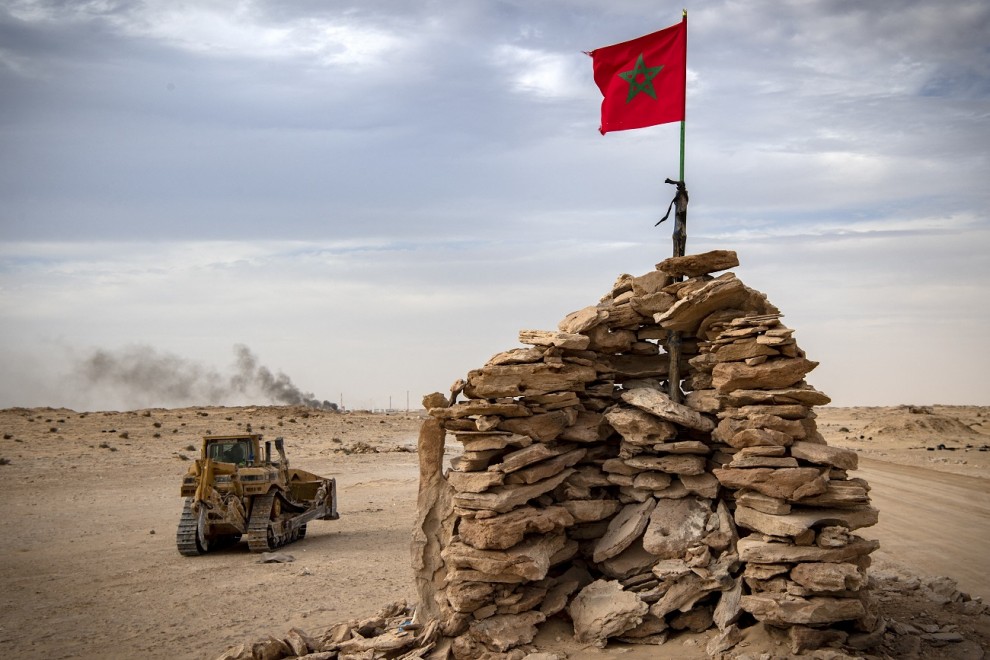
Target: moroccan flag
(643,80)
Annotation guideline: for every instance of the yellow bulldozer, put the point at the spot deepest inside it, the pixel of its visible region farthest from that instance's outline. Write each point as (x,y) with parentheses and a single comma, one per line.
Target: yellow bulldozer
(236,487)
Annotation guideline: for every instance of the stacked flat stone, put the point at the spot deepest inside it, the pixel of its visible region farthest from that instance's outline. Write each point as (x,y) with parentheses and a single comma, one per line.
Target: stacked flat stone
(584,488)
(803,570)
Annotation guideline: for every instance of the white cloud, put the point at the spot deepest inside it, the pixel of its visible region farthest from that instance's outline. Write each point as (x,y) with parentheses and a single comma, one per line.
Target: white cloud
(397,190)
(540,73)
(219,28)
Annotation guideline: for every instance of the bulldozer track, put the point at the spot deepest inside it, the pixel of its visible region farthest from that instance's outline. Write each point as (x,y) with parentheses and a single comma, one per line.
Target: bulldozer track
(185,537)
(260,536)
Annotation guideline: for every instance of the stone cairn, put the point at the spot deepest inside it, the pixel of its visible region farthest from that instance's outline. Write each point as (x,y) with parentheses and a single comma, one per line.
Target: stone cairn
(585,489)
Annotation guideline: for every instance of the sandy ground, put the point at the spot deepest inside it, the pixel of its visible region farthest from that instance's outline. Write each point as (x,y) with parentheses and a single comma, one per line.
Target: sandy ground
(90,504)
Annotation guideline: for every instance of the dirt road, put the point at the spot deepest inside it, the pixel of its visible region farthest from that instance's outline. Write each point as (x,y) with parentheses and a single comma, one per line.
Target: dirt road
(936,522)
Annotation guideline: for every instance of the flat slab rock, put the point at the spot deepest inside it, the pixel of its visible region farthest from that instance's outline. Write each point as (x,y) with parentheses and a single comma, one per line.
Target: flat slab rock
(527,380)
(547,468)
(728,428)
(526,456)
(852,492)
(544,427)
(504,498)
(725,292)
(588,427)
(623,529)
(813,452)
(503,531)
(827,576)
(659,404)
(772,374)
(567,340)
(583,319)
(505,631)
(675,526)
(529,560)
(782,483)
(639,427)
(481,407)
(590,510)
(692,265)
(805,395)
(483,441)
(688,464)
(474,482)
(765,552)
(602,610)
(799,521)
(783,610)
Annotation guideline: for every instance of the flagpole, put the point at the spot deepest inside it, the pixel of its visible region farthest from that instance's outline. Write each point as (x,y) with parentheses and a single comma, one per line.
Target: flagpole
(680,244)
(681,199)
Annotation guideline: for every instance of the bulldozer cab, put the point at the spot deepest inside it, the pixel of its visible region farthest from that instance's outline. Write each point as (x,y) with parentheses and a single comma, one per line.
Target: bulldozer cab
(236,450)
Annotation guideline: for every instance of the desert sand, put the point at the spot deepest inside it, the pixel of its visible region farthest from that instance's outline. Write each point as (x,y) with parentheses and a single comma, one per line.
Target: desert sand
(91,502)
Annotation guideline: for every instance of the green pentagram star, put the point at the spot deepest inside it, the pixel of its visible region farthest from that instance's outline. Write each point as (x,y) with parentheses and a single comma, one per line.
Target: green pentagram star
(646,86)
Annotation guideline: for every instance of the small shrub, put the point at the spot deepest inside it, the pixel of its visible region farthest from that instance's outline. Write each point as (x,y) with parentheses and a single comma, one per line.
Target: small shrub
(124,435)
(157,425)
(190,448)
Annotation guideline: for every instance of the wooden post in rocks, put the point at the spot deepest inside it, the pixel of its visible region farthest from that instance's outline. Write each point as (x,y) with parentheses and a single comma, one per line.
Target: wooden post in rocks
(680,245)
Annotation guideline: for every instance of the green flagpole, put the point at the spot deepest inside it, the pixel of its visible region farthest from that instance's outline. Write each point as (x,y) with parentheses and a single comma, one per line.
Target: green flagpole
(681,199)
(684,119)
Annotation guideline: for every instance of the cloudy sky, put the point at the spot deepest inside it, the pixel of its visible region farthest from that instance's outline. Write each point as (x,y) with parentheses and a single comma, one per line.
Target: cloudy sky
(374,197)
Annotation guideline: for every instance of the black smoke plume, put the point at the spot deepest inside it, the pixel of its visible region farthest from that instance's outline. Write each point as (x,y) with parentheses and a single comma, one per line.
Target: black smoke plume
(142,376)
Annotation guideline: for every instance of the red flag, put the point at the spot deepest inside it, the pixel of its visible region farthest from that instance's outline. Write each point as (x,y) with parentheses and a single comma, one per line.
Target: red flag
(643,80)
